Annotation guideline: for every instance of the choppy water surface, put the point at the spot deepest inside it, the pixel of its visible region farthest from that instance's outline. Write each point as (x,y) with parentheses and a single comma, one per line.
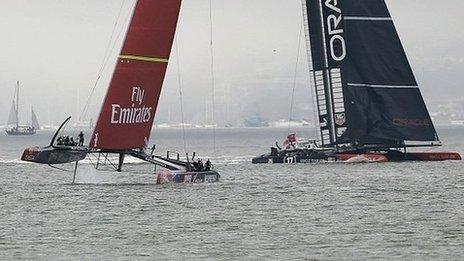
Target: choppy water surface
(320,211)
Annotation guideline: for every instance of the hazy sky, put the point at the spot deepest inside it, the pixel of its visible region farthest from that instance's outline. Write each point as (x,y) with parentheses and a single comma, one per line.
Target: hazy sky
(56,47)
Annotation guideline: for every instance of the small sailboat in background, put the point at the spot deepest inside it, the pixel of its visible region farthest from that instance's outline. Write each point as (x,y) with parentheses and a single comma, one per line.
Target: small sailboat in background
(126,118)
(13,126)
(368,101)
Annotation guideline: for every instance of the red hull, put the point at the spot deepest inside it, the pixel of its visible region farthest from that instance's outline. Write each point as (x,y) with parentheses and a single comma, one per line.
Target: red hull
(433,156)
(362,158)
(165,177)
(410,156)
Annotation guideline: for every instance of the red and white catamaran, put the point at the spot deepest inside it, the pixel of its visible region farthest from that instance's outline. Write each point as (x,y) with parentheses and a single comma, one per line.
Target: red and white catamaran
(129,108)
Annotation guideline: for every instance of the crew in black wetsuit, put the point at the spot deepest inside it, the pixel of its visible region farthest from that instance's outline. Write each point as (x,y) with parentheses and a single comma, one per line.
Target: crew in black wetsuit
(200,165)
(81,139)
(208,165)
(60,141)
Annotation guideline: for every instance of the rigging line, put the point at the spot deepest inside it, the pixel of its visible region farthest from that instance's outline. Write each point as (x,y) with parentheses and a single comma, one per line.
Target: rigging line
(213,80)
(179,81)
(111,45)
(294,77)
(107,51)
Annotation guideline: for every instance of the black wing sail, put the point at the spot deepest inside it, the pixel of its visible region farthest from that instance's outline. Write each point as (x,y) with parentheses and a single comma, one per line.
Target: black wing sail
(382,97)
(382,103)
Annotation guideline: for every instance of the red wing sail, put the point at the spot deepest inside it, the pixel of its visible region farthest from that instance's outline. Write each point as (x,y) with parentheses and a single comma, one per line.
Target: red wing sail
(129,108)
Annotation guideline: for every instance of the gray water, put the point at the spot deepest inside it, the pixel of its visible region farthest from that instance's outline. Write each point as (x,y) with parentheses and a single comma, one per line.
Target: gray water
(327,211)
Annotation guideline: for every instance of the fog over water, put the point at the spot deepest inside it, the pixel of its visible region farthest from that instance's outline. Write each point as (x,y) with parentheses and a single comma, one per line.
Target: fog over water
(55,48)
(326,210)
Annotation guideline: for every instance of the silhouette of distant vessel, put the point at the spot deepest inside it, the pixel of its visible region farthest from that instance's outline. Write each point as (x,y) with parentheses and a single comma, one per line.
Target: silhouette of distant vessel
(13,127)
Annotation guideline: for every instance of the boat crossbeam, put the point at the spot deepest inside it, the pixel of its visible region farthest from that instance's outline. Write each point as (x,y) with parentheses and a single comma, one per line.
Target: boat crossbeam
(159,161)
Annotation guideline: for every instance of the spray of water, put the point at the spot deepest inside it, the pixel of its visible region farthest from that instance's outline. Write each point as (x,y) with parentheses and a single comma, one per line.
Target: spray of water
(87,174)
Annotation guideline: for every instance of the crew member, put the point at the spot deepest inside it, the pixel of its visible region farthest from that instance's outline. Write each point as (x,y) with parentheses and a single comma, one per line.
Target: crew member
(60,141)
(208,165)
(81,138)
(200,165)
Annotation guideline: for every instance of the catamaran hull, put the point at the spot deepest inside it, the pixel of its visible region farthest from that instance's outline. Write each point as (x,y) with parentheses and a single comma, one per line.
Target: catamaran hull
(390,156)
(265,159)
(347,158)
(166,177)
(20,133)
(53,156)
(362,158)
(293,158)
(424,156)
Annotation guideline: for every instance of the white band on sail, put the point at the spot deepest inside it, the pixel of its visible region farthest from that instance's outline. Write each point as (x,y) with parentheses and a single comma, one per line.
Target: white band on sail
(143,58)
(360,18)
(383,86)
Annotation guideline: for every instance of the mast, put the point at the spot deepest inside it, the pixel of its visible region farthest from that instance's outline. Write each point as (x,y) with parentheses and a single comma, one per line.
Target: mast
(327,84)
(48,115)
(17,104)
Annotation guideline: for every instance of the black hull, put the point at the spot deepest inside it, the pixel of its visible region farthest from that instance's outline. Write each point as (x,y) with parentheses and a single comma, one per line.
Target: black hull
(313,156)
(294,156)
(54,156)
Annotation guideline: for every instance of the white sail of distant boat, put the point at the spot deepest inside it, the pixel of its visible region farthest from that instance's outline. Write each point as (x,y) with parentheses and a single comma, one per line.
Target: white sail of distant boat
(34,122)
(13,118)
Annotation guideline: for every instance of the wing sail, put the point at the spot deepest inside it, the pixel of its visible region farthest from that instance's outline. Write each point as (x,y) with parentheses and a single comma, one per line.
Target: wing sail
(128,111)
(366,91)
(382,97)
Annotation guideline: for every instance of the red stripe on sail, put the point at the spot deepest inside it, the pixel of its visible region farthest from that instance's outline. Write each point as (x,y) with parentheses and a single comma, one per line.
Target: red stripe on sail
(129,108)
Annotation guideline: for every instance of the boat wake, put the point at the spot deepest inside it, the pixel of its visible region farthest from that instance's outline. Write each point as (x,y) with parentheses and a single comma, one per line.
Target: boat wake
(229,160)
(14,161)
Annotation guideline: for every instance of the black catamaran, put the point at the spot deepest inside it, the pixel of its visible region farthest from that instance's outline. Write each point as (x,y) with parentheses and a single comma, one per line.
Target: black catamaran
(369,104)
(128,111)
(13,126)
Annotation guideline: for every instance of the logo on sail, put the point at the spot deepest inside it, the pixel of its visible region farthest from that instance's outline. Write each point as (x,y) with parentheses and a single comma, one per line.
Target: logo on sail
(136,113)
(340,119)
(412,122)
(335,31)
(95,140)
